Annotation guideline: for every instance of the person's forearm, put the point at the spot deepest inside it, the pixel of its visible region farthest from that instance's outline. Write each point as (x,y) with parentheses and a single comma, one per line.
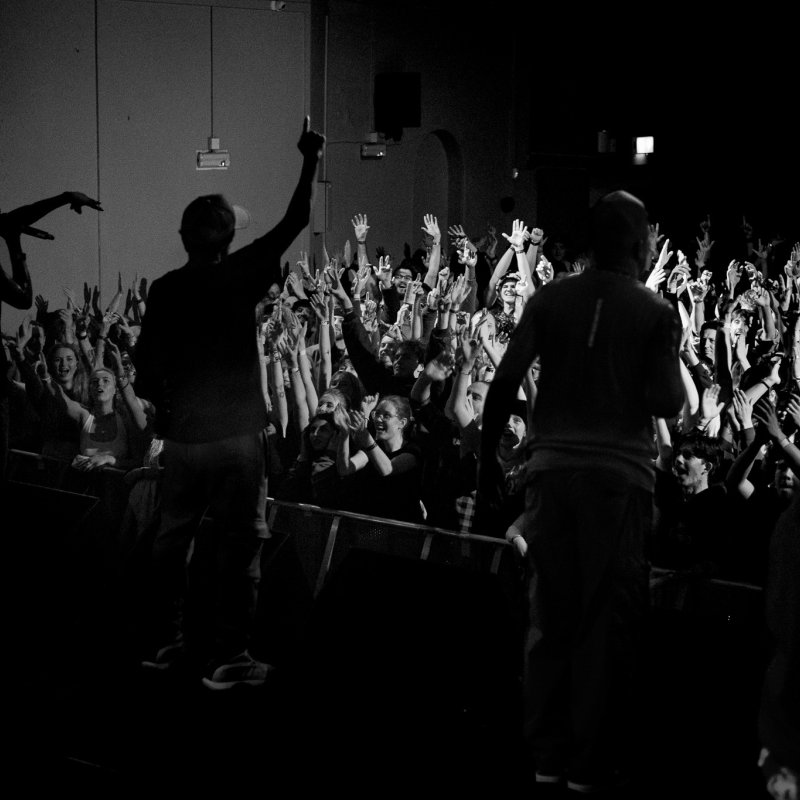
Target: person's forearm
(27,215)
(456,408)
(500,270)
(433,266)
(663,444)
(279,391)
(132,403)
(304,363)
(421,390)
(692,401)
(768,322)
(16,290)
(325,368)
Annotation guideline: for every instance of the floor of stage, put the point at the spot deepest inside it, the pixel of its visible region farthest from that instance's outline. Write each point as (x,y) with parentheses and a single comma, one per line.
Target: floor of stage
(383,682)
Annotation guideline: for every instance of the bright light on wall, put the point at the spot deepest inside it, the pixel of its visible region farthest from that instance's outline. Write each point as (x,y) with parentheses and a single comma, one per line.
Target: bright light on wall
(644,145)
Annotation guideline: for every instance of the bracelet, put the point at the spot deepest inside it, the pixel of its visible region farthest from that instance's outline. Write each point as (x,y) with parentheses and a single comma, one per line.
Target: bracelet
(370,447)
(767,385)
(518,250)
(785,442)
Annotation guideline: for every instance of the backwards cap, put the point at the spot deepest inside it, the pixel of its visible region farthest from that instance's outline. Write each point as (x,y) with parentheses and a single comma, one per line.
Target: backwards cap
(212,220)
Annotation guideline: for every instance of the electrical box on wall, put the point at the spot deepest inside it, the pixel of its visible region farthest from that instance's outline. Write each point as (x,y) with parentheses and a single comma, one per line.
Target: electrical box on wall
(370,150)
(213,158)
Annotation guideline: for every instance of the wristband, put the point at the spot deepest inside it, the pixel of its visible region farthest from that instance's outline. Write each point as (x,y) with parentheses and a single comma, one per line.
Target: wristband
(785,442)
(518,250)
(370,447)
(767,385)
(83,336)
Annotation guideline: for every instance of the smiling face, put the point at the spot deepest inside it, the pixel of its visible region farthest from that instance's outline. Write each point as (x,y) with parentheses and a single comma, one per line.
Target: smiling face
(389,425)
(401,278)
(63,365)
(508,291)
(785,482)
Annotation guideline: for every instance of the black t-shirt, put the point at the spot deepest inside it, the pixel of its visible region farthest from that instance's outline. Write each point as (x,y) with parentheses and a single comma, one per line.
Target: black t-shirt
(694,532)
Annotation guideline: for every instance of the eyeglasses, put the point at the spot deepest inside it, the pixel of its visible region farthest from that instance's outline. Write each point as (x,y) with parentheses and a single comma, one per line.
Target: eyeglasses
(383,415)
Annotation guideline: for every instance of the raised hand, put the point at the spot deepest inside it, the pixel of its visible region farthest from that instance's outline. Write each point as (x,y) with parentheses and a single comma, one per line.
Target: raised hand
(384,271)
(358,428)
(469,346)
(362,278)
(705,227)
(457,233)
(764,413)
(664,256)
(679,277)
(733,275)
(77,201)
(519,234)
(41,307)
(747,228)
(760,251)
(360,227)
(310,143)
(431,228)
(537,237)
(793,409)
(655,238)
(440,368)
(703,249)
(544,269)
(710,406)
(295,286)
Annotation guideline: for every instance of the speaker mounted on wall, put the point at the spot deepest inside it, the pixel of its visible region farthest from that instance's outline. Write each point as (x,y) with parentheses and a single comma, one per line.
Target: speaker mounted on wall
(397,101)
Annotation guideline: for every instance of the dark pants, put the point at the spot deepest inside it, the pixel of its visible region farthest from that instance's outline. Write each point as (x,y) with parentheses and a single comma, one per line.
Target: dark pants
(225,480)
(588,595)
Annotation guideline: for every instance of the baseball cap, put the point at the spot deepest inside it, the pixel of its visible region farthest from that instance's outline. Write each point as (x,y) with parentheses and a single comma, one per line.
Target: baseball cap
(211,220)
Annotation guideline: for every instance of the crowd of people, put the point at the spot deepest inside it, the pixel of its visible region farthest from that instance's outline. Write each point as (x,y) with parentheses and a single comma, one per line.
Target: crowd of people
(372,371)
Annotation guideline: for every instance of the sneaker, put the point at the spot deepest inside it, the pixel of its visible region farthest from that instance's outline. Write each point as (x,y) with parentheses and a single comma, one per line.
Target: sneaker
(551,780)
(245,671)
(167,658)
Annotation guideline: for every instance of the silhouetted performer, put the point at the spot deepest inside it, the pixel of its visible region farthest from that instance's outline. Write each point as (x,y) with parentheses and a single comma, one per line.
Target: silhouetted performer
(198,362)
(608,348)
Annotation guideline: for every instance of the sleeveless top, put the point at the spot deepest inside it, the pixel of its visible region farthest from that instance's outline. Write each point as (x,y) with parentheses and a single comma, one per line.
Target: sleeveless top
(117,447)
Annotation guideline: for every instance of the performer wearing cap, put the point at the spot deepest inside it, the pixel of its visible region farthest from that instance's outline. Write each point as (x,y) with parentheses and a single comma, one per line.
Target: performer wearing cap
(204,380)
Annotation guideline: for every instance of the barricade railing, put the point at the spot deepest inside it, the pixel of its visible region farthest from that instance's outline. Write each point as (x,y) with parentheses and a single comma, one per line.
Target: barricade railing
(322,538)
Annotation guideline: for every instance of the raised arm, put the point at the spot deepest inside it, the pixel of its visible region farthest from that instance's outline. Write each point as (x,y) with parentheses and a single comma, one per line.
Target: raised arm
(431,229)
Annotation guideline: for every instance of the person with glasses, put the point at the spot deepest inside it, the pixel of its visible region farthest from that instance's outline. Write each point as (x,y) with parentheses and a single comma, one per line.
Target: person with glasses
(388,466)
